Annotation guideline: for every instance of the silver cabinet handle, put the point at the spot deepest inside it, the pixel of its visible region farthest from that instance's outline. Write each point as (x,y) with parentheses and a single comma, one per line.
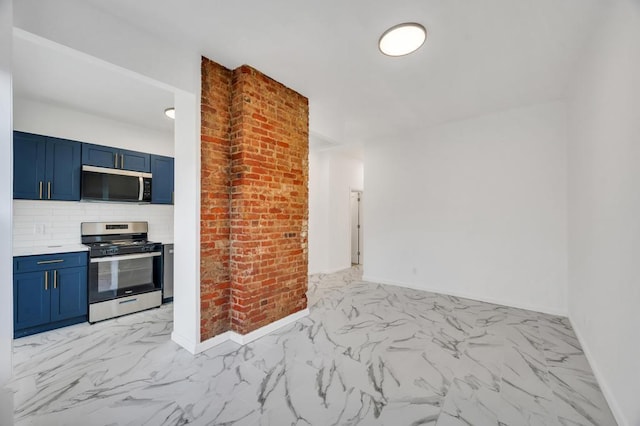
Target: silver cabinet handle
(46,280)
(46,262)
(122,161)
(55,279)
(49,190)
(115,161)
(41,190)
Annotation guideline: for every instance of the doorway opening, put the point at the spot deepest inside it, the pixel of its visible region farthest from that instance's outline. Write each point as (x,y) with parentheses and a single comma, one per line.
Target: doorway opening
(356,228)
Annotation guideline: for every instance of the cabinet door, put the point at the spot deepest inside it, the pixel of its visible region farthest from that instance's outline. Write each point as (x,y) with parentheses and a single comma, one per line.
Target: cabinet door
(69,293)
(162,184)
(100,156)
(29,153)
(134,161)
(31,299)
(63,169)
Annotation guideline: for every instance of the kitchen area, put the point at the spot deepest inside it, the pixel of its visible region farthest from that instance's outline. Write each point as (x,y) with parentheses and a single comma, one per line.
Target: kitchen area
(93,207)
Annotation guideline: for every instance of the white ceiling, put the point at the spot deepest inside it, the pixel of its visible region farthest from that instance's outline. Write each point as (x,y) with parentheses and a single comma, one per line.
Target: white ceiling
(480,56)
(49,73)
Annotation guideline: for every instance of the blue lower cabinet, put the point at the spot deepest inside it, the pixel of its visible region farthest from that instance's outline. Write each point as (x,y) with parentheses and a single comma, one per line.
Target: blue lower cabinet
(49,291)
(31,300)
(69,295)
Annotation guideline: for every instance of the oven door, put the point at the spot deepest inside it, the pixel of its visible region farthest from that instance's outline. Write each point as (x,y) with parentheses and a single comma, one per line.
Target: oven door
(116,276)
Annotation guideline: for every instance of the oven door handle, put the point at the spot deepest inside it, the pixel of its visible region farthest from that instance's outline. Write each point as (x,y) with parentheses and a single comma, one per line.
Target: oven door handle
(124,257)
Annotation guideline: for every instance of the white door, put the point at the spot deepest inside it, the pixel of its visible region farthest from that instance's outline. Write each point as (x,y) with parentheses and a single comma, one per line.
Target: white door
(356,228)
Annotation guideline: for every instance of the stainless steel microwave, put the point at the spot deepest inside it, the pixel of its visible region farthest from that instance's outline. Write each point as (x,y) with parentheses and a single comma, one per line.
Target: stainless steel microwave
(103,184)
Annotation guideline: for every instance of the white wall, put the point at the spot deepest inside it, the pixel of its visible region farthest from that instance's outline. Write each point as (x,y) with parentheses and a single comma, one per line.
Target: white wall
(79,26)
(186,300)
(6,194)
(346,173)
(474,208)
(61,221)
(55,120)
(318,212)
(332,176)
(604,209)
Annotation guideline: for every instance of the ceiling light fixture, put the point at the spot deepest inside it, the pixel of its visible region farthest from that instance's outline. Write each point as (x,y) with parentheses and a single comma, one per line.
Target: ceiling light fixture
(171,113)
(402,39)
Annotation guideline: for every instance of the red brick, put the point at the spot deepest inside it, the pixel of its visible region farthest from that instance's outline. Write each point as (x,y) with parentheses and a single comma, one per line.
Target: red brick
(254,192)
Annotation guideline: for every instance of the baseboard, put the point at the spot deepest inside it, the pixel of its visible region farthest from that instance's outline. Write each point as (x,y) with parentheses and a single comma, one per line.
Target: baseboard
(606,391)
(188,344)
(331,271)
(214,341)
(468,296)
(243,339)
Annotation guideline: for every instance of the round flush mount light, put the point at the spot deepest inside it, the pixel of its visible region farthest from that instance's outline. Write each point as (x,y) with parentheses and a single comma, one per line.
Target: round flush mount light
(171,113)
(402,39)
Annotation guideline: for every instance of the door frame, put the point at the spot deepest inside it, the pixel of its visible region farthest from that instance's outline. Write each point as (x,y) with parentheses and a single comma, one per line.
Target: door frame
(360,252)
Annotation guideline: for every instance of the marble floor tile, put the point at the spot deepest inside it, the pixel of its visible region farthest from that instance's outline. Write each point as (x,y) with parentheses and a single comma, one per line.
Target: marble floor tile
(367,354)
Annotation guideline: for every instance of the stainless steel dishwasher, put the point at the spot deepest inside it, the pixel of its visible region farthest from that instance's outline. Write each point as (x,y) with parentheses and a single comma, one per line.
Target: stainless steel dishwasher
(167,273)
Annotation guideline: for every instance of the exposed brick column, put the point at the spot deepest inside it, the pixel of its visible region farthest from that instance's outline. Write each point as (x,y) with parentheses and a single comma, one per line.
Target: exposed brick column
(254,205)
(215,281)
(269,200)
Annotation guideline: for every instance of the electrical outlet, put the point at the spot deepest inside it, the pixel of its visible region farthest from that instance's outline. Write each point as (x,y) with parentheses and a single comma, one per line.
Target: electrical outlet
(39,229)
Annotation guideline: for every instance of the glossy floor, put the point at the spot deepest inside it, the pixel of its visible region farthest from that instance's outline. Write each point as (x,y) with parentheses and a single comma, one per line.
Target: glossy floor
(367,354)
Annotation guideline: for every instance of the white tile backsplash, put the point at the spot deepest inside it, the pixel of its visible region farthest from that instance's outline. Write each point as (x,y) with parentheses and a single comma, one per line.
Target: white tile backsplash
(42,223)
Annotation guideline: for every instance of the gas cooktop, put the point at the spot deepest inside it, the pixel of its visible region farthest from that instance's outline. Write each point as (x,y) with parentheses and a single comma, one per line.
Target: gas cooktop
(113,239)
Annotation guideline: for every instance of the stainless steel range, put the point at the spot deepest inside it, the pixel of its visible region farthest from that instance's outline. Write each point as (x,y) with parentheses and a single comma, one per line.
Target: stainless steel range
(125,269)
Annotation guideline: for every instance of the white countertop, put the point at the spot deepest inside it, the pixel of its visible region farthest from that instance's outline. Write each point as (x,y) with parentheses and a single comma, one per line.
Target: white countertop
(61,248)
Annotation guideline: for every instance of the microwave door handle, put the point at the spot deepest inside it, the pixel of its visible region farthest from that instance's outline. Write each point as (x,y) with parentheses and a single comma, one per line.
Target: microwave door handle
(141,186)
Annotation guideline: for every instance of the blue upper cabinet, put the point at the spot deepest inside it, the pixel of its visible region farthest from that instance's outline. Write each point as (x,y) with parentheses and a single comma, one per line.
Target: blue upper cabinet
(100,156)
(135,161)
(163,186)
(115,158)
(46,168)
(63,169)
(29,161)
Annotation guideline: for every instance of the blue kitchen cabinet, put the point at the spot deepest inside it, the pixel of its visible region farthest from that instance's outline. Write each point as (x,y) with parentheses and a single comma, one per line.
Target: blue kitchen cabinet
(163,182)
(49,291)
(29,162)
(62,171)
(115,158)
(100,156)
(135,161)
(69,295)
(31,301)
(45,168)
